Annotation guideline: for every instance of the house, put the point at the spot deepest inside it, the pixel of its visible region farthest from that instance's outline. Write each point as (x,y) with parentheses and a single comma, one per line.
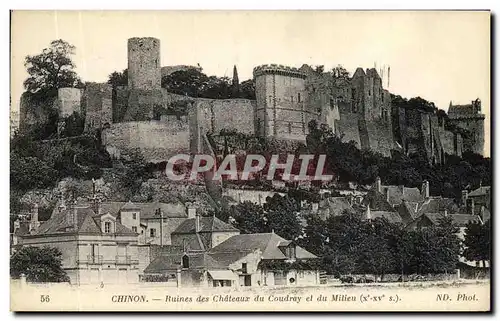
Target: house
(409,211)
(266,259)
(478,202)
(154,221)
(95,247)
(390,216)
(333,206)
(395,195)
(481,196)
(432,219)
(262,259)
(191,268)
(201,233)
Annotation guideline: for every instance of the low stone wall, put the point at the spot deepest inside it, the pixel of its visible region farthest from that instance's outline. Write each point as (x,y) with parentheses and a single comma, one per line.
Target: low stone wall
(157,140)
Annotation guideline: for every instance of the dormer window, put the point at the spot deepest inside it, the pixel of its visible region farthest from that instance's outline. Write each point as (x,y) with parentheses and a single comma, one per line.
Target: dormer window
(108,223)
(185,262)
(291,251)
(107,227)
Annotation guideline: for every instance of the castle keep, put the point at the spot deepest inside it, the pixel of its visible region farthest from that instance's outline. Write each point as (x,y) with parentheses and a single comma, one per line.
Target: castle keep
(144,116)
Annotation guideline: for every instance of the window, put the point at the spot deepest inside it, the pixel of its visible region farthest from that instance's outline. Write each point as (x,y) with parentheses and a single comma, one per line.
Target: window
(134,216)
(369,92)
(152,232)
(291,252)
(134,229)
(298,97)
(291,98)
(185,262)
(107,227)
(289,128)
(244,268)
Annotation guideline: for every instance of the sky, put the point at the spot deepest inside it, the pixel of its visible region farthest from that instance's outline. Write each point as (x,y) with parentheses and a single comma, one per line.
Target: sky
(440,56)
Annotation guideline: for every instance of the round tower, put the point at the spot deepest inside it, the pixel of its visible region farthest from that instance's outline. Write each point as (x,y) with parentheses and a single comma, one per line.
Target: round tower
(144,68)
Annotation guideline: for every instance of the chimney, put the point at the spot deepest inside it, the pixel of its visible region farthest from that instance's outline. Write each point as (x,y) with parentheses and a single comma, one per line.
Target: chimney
(17,224)
(34,214)
(72,215)
(62,206)
(34,223)
(387,194)
(425,189)
(378,184)
(191,212)
(470,206)
(197,223)
(464,197)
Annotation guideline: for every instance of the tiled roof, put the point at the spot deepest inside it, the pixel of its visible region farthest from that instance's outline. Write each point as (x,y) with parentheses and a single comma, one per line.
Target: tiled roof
(377,201)
(481,191)
(333,206)
(267,243)
(112,208)
(207,224)
(399,193)
(392,217)
(458,219)
(130,206)
(87,223)
(147,210)
(437,205)
(172,262)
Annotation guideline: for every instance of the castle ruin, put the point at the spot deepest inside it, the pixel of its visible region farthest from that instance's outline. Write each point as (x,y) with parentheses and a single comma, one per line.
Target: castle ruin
(142,114)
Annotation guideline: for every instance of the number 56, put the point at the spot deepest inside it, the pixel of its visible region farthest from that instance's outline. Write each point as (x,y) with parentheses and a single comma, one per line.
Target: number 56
(44,298)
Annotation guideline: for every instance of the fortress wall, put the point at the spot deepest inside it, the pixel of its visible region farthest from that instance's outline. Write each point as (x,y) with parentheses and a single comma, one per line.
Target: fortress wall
(32,113)
(254,196)
(69,101)
(98,101)
(447,141)
(348,126)
(475,125)
(231,114)
(157,140)
(380,137)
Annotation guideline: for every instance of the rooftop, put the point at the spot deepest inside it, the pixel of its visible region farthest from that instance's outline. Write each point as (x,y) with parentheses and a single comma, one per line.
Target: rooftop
(207,224)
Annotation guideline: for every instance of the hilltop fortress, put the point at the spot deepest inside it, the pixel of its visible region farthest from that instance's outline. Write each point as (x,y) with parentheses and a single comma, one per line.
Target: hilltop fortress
(145,116)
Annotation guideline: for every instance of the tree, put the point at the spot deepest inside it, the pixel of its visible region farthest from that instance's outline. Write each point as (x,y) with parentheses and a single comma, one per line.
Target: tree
(38,264)
(477,242)
(249,217)
(52,69)
(282,214)
(116,79)
(189,82)
(247,89)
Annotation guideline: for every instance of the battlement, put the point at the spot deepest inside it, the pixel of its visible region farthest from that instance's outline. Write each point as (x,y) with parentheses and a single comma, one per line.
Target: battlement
(143,43)
(274,69)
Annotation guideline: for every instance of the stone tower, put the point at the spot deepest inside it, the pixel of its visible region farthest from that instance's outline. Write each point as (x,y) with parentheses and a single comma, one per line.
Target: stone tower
(144,78)
(373,104)
(281,109)
(469,118)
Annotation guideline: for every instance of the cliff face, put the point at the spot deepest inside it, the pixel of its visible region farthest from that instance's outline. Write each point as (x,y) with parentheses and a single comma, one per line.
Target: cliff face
(110,188)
